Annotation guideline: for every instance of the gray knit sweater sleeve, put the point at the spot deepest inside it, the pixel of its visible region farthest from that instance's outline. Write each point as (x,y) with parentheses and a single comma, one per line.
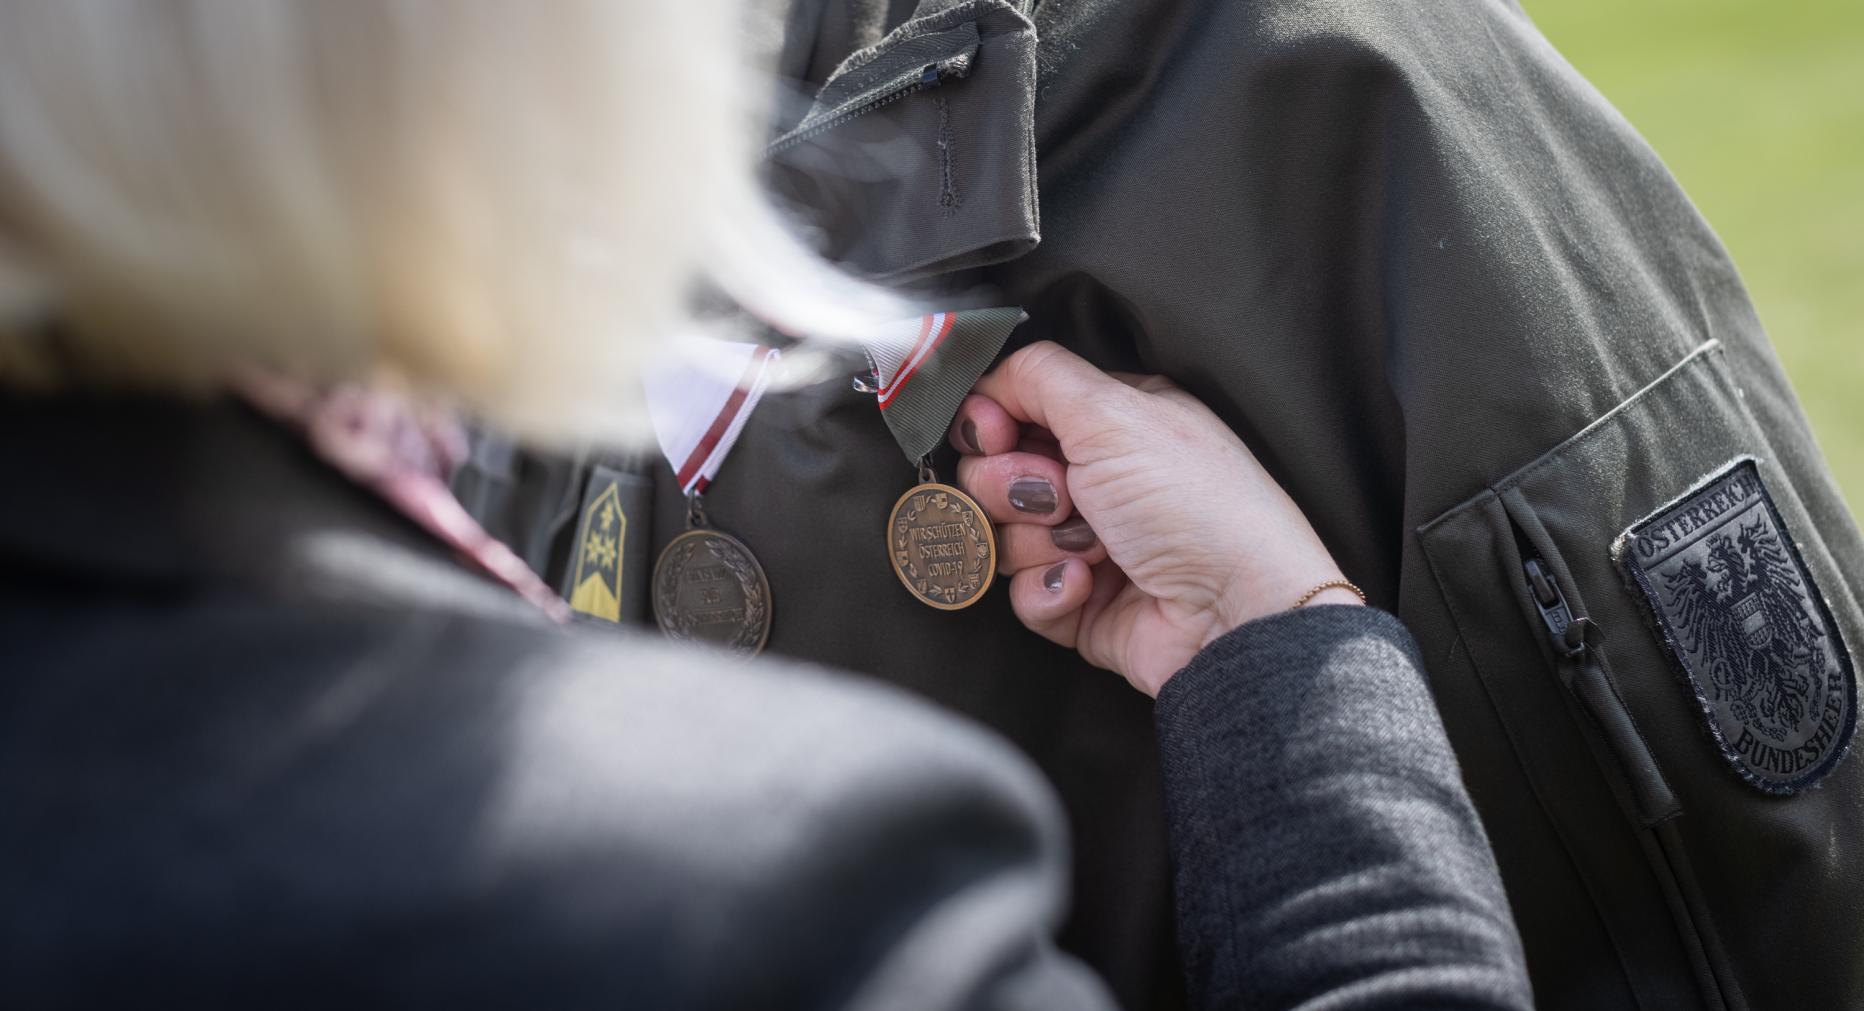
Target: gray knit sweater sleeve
(1327,854)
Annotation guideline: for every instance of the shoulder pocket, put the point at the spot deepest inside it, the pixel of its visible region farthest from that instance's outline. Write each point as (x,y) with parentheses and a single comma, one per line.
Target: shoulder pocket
(1675,594)
(918,156)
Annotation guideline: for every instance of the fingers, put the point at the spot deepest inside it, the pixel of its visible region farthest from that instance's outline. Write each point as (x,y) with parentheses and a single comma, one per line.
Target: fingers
(1048,599)
(1017,487)
(982,427)
(1027,545)
(1145,383)
(1040,442)
(1048,385)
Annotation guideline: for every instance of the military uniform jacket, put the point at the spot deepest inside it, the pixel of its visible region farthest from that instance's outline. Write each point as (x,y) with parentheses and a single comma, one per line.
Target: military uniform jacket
(1461,310)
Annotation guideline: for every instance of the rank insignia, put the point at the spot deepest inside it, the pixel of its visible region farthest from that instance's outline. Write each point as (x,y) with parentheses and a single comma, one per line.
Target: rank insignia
(1749,628)
(601,538)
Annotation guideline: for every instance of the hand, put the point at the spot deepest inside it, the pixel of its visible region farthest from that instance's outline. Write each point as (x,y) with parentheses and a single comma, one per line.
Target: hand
(1135,526)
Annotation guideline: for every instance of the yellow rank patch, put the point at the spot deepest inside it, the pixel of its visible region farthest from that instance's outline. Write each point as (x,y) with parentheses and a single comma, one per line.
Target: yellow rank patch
(598,557)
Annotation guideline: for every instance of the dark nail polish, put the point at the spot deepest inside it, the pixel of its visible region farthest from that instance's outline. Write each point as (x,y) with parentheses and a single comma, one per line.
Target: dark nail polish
(1072,534)
(968,432)
(1032,495)
(1052,578)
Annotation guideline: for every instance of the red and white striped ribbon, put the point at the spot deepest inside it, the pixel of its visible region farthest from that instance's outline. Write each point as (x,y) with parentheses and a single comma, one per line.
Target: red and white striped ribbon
(700,401)
(898,350)
(924,366)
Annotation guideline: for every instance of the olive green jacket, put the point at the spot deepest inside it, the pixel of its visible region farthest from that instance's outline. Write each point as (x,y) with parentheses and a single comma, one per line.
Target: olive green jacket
(1461,310)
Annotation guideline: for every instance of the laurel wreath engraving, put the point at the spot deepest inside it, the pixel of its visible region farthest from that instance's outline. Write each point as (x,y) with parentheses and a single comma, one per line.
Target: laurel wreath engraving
(941,502)
(681,623)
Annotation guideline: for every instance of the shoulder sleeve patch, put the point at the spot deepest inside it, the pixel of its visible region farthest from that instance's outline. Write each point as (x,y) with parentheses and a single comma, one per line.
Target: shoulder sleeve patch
(1749,628)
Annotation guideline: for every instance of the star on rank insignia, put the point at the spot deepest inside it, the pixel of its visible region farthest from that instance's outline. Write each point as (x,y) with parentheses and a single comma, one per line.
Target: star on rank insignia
(1748,626)
(596,579)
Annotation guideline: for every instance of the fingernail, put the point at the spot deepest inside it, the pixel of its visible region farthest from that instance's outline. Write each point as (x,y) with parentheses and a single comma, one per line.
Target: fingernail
(1032,495)
(1052,578)
(1072,534)
(968,432)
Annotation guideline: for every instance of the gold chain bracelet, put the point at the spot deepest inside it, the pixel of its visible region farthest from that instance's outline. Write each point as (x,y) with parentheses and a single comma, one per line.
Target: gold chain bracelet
(1331,584)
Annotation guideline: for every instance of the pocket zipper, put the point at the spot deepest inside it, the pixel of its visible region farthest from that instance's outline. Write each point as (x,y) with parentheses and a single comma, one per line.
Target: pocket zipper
(1582,670)
(929,78)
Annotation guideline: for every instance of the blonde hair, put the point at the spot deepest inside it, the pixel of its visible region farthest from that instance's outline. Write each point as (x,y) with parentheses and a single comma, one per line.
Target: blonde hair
(500,203)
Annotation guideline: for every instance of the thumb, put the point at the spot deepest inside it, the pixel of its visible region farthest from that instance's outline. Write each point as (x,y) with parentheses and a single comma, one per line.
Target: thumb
(1046,384)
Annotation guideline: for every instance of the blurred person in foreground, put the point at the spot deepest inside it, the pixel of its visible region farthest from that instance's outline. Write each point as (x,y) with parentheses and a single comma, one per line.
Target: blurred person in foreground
(280,724)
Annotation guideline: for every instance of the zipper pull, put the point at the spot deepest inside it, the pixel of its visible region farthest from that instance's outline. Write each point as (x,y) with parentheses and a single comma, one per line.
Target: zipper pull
(1568,632)
(929,77)
(1651,797)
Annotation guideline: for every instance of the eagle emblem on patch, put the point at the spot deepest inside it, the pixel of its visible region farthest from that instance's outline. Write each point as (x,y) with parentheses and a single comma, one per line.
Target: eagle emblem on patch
(1741,614)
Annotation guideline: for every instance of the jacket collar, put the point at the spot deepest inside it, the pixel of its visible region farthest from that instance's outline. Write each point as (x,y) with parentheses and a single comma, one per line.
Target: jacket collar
(122,492)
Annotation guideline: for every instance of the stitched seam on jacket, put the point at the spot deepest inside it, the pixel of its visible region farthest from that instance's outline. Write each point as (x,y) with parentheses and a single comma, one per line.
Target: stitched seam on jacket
(1598,424)
(1567,445)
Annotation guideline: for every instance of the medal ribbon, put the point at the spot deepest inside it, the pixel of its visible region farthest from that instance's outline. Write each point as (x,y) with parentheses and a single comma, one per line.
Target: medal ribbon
(925,366)
(700,401)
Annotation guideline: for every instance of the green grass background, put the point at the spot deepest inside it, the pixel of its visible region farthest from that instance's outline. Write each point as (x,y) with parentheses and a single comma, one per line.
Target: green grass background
(1758,107)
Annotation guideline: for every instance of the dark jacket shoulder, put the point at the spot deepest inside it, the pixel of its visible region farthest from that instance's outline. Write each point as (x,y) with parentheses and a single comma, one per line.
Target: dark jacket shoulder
(264,741)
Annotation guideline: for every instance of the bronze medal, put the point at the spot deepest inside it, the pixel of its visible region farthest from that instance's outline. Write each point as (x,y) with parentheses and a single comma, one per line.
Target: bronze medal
(939,541)
(942,545)
(709,588)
